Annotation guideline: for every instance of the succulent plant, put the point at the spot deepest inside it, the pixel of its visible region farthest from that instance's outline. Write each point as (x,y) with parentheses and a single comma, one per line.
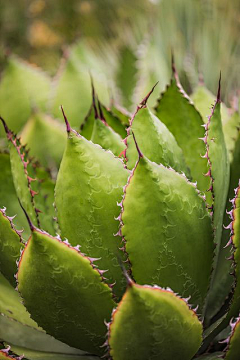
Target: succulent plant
(139,270)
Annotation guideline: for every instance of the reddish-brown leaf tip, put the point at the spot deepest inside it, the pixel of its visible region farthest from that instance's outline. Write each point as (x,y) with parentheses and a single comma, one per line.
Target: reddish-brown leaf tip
(137,147)
(68,127)
(219,89)
(5,126)
(144,101)
(32,227)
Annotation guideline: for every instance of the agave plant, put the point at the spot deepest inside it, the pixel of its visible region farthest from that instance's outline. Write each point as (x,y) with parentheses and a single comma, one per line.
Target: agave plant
(139,268)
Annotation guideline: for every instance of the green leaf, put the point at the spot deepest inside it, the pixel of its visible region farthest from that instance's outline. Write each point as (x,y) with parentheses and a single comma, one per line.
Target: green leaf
(154,140)
(86,128)
(203,100)
(77,301)
(22,86)
(38,355)
(46,139)
(122,114)
(126,74)
(154,323)
(105,136)
(21,336)
(73,90)
(10,247)
(165,223)
(177,112)
(215,356)
(231,133)
(113,121)
(219,172)
(233,350)
(86,202)
(11,305)
(8,197)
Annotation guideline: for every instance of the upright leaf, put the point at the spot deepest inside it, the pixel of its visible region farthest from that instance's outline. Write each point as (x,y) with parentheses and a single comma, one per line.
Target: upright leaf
(45,138)
(77,301)
(153,323)
(113,121)
(8,196)
(86,202)
(233,349)
(154,139)
(178,113)
(22,86)
(10,247)
(167,230)
(219,172)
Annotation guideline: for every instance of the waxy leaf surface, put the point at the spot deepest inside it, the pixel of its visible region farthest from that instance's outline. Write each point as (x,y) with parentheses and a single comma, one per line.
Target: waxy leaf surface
(155,141)
(22,87)
(233,351)
(10,247)
(176,111)
(168,231)
(77,301)
(152,323)
(45,138)
(219,172)
(86,202)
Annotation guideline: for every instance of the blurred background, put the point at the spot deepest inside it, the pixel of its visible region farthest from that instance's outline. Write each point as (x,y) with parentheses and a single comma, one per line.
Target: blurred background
(131,41)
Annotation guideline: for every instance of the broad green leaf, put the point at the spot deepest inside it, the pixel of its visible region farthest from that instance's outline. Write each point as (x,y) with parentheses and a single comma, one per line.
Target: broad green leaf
(22,87)
(153,323)
(77,301)
(105,136)
(177,112)
(233,350)
(204,100)
(10,247)
(8,196)
(86,202)
(155,141)
(121,113)
(18,335)
(219,172)
(46,139)
(168,231)
(215,356)
(86,128)
(73,90)
(126,78)
(44,187)
(231,133)
(11,305)
(38,355)
(113,121)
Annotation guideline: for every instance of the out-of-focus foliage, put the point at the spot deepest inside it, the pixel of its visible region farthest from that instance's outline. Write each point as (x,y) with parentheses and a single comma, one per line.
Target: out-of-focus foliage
(204,35)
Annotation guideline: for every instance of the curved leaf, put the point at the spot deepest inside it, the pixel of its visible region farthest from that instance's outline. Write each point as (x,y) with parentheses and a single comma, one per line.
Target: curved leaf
(233,350)
(219,172)
(10,247)
(77,300)
(155,141)
(231,133)
(176,111)
(86,202)
(168,231)
(22,86)
(45,138)
(8,196)
(153,323)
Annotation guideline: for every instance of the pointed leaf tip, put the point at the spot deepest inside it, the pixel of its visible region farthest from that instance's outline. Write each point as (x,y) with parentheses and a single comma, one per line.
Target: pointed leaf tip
(5,126)
(144,101)
(173,63)
(68,127)
(219,89)
(94,98)
(137,147)
(32,227)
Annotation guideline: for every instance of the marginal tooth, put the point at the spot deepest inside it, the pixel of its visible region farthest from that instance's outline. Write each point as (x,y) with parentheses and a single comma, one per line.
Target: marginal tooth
(228,244)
